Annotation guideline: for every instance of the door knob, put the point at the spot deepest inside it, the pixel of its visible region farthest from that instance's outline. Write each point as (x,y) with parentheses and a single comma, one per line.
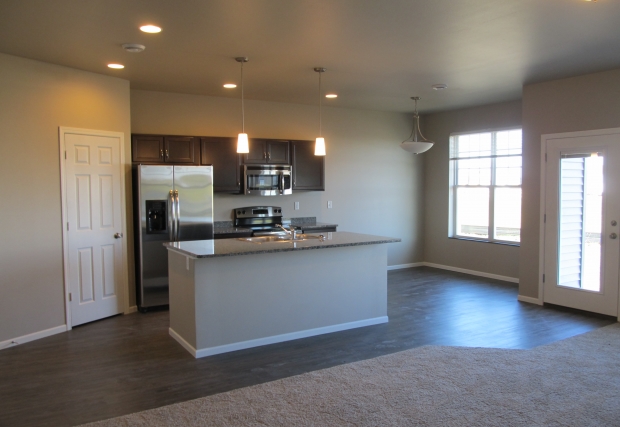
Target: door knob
(118,235)
(613,236)
(614,223)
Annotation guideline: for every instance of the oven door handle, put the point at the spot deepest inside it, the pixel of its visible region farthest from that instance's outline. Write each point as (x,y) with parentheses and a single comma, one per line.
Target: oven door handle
(281,183)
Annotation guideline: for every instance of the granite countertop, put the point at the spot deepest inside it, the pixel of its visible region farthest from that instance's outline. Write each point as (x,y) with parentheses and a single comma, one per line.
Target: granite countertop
(234,247)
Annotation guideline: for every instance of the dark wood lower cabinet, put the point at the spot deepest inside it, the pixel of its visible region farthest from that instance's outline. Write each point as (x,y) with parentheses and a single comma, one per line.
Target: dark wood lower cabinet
(221,153)
(308,169)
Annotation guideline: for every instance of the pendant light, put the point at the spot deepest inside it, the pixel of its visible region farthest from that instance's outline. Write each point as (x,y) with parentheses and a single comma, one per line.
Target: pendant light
(319,145)
(416,143)
(242,140)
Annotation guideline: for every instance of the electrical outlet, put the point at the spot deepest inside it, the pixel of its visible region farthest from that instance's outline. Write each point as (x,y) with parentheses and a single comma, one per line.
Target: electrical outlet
(296,206)
(329,204)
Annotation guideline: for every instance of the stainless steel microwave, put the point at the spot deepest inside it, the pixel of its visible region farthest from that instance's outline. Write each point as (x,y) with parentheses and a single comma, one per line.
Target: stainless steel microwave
(267,180)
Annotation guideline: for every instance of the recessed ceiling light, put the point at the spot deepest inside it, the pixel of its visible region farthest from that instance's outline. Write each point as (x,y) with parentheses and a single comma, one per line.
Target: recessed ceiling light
(440,86)
(116,66)
(331,95)
(230,85)
(150,29)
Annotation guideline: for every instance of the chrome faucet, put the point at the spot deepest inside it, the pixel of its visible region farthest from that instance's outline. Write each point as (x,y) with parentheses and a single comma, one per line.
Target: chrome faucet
(292,231)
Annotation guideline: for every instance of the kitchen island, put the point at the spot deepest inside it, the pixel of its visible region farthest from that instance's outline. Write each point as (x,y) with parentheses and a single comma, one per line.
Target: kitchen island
(232,294)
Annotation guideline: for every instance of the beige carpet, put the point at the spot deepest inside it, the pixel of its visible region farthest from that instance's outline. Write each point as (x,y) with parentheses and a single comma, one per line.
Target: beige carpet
(575,382)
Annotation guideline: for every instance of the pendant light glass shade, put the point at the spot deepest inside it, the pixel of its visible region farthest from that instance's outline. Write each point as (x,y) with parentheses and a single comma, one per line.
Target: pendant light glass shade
(242,140)
(242,143)
(416,143)
(319,145)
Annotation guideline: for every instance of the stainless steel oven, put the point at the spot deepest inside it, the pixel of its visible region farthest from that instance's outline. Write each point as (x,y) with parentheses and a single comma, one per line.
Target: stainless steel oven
(267,180)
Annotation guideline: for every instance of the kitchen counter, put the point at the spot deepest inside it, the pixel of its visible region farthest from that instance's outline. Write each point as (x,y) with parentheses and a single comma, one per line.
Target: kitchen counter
(234,247)
(229,294)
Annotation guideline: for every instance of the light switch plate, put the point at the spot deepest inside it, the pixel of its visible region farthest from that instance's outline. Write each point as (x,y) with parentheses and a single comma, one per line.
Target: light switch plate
(296,206)
(329,204)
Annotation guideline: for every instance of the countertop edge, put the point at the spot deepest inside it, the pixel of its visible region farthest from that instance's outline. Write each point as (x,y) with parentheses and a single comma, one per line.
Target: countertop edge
(380,240)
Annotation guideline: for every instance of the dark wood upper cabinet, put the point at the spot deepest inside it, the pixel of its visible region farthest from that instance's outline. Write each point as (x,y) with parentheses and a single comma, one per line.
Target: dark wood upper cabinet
(221,153)
(181,150)
(308,169)
(147,149)
(157,149)
(264,151)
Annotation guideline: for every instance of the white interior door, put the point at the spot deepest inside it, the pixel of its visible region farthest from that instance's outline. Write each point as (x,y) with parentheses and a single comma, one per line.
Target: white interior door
(582,207)
(94,227)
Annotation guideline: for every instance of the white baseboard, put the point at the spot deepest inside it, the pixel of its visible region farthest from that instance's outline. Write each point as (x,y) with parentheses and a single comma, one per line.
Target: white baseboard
(131,309)
(401,266)
(31,337)
(210,351)
(472,272)
(529,300)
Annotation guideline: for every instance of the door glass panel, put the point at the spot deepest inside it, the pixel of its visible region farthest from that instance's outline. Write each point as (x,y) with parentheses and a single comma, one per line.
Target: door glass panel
(581,202)
(472,212)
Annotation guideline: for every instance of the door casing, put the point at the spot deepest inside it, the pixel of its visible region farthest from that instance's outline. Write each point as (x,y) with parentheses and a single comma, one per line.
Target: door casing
(543,180)
(124,291)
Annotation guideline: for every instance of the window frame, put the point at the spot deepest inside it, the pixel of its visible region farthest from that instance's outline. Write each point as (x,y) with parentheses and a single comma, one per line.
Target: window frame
(453,176)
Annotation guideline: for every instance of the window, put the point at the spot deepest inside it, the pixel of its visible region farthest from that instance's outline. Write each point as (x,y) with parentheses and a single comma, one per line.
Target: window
(485,186)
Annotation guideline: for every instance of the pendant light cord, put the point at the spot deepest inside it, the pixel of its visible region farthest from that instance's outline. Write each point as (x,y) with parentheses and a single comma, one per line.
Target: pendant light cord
(242,106)
(320,130)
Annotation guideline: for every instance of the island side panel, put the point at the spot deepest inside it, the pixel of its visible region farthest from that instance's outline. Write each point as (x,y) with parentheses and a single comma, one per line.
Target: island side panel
(182,299)
(245,299)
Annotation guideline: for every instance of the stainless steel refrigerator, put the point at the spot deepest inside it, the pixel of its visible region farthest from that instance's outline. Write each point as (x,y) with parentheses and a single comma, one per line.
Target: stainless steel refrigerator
(171,203)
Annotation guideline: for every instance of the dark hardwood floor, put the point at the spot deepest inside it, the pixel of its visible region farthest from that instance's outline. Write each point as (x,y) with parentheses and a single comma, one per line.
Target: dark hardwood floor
(129,363)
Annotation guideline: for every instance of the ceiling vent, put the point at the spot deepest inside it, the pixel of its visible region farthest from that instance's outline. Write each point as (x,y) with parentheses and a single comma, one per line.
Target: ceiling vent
(134,47)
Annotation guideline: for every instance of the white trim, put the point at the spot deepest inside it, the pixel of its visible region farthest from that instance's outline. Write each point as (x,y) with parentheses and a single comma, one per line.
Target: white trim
(530,300)
(402,266)
(34,336)
(542,185)
(203,352)
(62,131)
(473,132)
(472,272)
(178,338)
(131,309)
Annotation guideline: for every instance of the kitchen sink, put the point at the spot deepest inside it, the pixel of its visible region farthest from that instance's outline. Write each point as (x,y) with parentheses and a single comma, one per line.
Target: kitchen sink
(281,239)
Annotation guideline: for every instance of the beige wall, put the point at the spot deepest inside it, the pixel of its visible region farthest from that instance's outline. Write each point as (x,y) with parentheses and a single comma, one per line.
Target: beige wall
(376,188)
(35,99)
(502,260)
(568,105)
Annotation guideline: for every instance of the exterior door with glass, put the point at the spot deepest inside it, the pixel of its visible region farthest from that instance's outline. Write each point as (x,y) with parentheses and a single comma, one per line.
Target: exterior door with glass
(582,211)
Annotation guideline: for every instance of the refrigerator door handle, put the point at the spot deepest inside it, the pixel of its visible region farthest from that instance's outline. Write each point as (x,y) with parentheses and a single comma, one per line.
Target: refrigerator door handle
(171,217)
(177,216)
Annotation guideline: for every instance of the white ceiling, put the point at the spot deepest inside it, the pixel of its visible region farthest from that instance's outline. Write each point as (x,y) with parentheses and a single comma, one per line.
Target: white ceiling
(378,53)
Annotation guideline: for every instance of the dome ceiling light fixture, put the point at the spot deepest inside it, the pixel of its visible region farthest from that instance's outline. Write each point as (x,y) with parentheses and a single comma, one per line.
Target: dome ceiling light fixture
(243,146)
(440,86)
(416,143)
(319,145)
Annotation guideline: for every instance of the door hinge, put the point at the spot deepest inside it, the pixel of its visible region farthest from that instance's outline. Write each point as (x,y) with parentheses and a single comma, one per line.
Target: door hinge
(70,298)
(545,157)
(545,219)
(65,155)
(543,278)
(67,226)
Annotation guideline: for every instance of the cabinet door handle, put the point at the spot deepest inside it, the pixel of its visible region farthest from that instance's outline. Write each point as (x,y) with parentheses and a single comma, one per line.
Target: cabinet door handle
(268,156)
(167,155)
(264,154)
(161,153)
